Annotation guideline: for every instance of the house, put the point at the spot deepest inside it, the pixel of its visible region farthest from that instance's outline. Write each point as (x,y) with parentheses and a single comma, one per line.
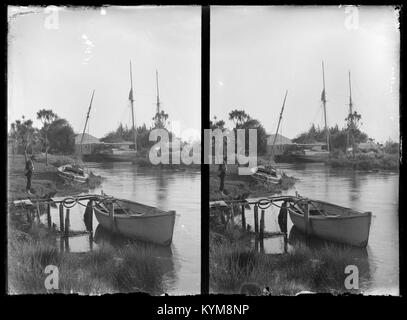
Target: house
(280,144)
(89,142)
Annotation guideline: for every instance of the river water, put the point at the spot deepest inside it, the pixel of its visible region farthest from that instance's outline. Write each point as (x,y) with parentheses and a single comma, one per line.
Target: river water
(165,189)
(367,191)
(180,190)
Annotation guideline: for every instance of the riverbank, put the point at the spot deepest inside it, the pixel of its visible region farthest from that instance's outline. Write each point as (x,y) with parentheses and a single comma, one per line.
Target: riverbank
(105,270)
(45,180)
(235,267)
(244,185)
(32,245)
(143,160)
(366,161)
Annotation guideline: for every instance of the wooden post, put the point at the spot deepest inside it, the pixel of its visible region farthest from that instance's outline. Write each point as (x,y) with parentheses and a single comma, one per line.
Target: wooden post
(282,217)
(88,216)
(61,218)
(243,218)
(306,217)
(232,215)
(111,214)
(66,240)
(67,222)
(61,243)
(91,216)
(256,218)
(262,224)
(261,244)
(38,212)
(49,216)
(91,241)
(28,214)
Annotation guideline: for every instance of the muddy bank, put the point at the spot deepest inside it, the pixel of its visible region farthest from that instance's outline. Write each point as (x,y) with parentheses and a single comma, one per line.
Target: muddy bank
(45,180)
(244,185)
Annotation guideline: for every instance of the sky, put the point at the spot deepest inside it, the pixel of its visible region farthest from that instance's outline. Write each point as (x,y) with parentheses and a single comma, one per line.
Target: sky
(257,53)
(56,60)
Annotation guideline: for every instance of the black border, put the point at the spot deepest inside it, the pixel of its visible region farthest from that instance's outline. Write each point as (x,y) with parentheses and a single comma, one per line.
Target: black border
(141,304)
(205,94)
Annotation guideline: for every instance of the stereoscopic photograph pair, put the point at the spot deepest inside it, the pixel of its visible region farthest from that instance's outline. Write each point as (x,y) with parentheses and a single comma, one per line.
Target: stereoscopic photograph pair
(116,183)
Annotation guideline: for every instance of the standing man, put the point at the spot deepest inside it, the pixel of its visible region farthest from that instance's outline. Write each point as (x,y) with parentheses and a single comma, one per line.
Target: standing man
(221,173)
(29,169)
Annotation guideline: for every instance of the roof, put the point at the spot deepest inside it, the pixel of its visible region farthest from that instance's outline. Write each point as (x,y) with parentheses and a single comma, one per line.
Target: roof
(87,138)
(280,139)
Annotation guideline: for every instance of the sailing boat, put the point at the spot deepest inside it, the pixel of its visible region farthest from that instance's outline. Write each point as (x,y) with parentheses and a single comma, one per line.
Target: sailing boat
(350,139)
(122,151)
(76,172)
(269,173)
(317,152)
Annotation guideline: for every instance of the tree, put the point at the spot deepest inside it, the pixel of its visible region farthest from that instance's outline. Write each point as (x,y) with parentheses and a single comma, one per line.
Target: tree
(239,117)
(61,137)
(24,134)
(354,134)
(391,147)
(217,124)
(160,120)
(261,134)
(46,116)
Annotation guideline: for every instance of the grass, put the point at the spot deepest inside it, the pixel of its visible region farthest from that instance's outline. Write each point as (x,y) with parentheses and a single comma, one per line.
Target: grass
(366,161)
(32,246)
(45,180)
(234,265)
(244,185)
(132,268)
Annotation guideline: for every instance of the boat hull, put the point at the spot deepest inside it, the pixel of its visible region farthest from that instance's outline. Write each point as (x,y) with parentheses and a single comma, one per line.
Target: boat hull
(70,176)
(352,229)
(111,157)
(264,177)
(316,157)
(157,228)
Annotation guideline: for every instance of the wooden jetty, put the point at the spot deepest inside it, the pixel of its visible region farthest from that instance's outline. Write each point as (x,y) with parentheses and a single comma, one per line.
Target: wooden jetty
(64,204)
(259,215)
(128,218)
(313,217)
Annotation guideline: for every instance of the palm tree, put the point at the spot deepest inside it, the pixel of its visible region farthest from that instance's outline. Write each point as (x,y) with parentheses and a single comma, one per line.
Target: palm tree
(46,117)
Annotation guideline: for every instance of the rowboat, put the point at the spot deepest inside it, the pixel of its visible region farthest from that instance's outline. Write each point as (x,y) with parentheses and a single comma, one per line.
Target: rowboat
(136,220)
(331,222)
(73,173)
(266,174)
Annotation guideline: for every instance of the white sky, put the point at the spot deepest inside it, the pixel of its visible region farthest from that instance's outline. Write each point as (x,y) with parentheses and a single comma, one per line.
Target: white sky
(259,52)
(58,68)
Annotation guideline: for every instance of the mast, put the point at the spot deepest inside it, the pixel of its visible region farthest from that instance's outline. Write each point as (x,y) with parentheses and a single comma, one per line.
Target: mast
(87,117)
(132,109)
(323,98)
(350,132)
(158,92)
(278,125)
(279,120)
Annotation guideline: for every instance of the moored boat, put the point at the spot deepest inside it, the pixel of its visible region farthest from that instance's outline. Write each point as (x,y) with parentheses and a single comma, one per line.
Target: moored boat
(73,173)
(266,174)
(331,222)
(315,154)
(136,220)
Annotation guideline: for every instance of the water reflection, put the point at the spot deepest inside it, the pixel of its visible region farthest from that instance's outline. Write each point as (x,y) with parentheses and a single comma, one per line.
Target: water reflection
(165,189)
(352,255)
